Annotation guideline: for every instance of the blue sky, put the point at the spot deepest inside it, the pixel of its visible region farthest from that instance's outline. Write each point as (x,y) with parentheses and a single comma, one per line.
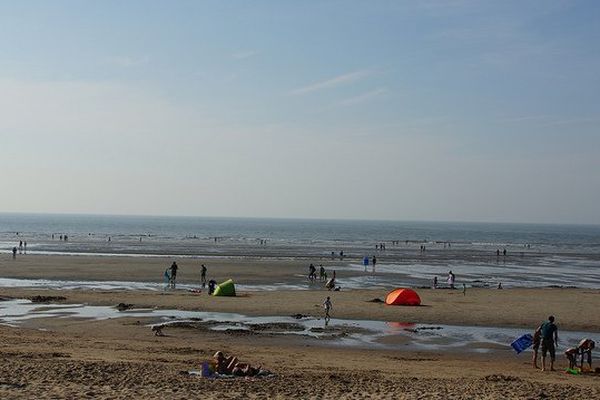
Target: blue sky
(433,110)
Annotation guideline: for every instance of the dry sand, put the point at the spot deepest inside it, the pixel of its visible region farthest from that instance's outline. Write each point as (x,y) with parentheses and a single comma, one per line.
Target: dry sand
(121,358)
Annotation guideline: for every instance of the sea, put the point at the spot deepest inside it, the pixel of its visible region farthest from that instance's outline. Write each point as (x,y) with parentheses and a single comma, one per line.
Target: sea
(536,254)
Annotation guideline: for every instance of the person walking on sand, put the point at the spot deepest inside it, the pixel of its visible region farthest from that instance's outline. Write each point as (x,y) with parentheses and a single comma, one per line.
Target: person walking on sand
(549,333)
(451,279)
(311,272)
(203,276)
(327,306)
(322,274)
(537,339)
(167,278)
(173,274)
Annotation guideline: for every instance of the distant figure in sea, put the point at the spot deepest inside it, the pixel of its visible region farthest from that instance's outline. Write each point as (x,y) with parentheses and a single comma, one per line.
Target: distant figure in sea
(66,238)
(109,238)
(500,285)
(322,274)
(435,283)
(14,251)
(341,254)
(504,252)
(20,247)
(203,276)
(464,289)
(549,342)
(366,262)
(60,237)
(53,236)
(497,252)
(25,247)
(374,262)
(173,269)
(327,306)
(332,254)
(451,279)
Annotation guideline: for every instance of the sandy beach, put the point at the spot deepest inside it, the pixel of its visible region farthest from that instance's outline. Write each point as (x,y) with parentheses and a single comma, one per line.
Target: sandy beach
(120,358)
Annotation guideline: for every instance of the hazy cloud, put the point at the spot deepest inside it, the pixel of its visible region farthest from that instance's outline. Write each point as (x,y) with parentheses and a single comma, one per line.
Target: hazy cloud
(333,82)
(361,98)
(127,61)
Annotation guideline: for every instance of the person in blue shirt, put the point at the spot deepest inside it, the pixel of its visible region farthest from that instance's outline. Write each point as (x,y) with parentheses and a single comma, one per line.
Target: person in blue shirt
(549,342)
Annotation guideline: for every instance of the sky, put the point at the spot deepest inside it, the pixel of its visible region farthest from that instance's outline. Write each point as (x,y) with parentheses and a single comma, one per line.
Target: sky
(456,110)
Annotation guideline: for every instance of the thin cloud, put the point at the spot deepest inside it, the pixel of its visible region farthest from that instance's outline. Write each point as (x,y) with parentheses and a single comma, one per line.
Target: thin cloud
(361,98)
(126,61)
(242,55)
(333,82)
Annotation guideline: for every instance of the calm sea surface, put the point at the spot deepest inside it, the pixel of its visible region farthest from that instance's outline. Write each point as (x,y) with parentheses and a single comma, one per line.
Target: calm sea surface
(167,235)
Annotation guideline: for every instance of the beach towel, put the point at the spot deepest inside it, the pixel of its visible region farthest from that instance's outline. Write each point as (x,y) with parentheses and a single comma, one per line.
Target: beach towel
(522,343)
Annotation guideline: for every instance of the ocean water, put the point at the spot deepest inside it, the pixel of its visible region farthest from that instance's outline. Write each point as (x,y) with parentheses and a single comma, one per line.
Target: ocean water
(537,255)
(175,235)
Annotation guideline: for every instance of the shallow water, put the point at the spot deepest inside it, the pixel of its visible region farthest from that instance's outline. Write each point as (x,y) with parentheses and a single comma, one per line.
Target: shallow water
(338,332)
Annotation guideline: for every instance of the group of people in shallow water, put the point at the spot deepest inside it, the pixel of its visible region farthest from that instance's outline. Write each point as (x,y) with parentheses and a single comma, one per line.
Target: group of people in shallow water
(546,337)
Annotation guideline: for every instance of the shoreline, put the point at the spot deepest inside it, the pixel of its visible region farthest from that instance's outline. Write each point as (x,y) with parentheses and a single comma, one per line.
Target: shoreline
(509,308)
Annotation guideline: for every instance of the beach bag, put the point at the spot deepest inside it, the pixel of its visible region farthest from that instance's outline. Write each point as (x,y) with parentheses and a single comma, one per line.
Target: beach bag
(522,343)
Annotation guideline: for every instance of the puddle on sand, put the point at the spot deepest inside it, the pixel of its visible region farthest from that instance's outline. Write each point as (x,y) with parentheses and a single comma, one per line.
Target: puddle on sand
(339,332)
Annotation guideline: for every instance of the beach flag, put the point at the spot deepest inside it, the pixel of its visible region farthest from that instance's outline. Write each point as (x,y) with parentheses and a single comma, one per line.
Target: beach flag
(522,343)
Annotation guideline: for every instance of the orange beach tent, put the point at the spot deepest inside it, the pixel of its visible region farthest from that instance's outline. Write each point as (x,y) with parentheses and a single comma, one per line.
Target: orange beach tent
(403,297)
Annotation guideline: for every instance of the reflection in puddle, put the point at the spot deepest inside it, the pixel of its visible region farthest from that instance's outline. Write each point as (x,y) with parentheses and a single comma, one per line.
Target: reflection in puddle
(340,332)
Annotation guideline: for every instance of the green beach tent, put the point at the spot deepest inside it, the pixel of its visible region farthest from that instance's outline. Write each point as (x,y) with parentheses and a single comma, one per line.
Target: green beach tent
(226,288)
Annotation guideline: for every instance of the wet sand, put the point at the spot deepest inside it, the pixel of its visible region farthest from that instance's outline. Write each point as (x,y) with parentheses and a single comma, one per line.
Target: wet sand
(120,358)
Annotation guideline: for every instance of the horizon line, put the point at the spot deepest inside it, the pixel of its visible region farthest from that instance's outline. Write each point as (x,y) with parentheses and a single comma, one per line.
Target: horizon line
(297,218)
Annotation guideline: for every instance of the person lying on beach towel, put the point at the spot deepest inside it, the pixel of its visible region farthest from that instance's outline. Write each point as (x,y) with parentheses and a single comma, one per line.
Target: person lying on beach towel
(231,366)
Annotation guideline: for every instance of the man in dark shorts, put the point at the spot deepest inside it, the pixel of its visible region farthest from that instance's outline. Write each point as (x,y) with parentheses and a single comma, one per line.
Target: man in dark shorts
(549,342)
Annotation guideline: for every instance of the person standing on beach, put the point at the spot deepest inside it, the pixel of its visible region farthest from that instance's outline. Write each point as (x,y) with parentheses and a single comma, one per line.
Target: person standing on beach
(322,274)
(537,340)
(203,276)
(327,306)
(173,274)
(549,333)
(451,279)
(14,251)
